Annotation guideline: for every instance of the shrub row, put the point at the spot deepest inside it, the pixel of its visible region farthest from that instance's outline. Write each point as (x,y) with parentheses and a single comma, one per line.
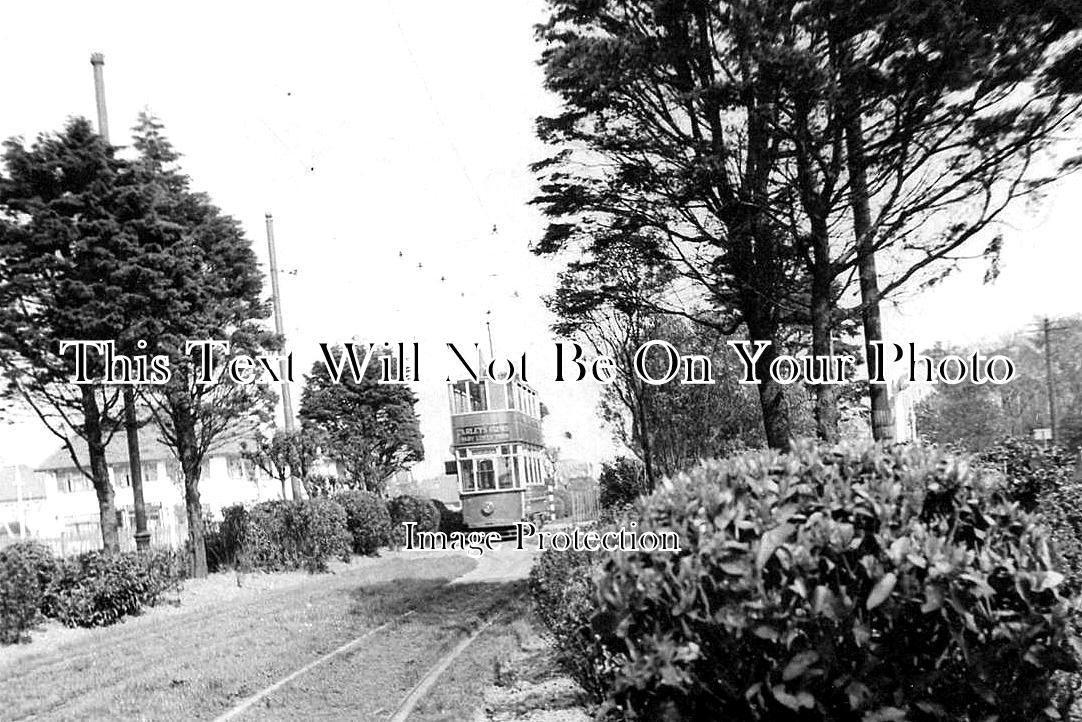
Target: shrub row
(408,508)
(855,583)
(88,590)
(283,535)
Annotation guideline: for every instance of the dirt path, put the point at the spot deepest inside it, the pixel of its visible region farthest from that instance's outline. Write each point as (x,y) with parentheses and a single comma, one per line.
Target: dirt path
(199,660)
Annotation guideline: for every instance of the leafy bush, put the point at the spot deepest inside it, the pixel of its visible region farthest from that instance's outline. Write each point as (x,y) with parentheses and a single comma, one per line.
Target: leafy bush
(450,520)
(565,597)
(367,520)
(223,538)
(281,535)
(851,584)
(621,483)
(40,558)
(1030,468)
(417,509)
(94,589)
(25,568)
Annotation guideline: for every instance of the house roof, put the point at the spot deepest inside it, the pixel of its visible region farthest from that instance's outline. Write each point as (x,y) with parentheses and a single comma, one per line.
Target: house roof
(33,486)
(151,448)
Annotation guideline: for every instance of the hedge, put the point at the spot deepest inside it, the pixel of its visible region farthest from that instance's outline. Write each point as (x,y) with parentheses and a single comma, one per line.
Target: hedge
(855,583)
(20,589)
(367,519)
(88,590)
(450,519)
(418,509)
(286,535)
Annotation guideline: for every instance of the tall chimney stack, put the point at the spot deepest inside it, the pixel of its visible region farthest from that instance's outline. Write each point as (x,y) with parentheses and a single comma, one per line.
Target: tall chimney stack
(98,61)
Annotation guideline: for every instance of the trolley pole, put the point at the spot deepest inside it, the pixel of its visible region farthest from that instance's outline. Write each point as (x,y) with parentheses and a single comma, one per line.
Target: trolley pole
(131,418)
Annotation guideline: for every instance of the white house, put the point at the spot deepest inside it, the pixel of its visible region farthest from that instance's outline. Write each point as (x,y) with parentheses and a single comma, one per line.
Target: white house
(68,519)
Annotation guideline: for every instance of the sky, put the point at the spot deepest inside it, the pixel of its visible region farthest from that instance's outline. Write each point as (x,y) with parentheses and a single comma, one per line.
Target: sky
(391,142)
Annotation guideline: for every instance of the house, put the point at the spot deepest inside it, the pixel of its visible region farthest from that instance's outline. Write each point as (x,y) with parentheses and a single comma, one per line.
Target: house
(23,502)
(69,519)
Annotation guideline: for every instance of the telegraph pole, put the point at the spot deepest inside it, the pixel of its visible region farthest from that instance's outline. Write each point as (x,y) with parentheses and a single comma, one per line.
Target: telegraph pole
(1048,377)
(295,484)
(276,300)
(131,418)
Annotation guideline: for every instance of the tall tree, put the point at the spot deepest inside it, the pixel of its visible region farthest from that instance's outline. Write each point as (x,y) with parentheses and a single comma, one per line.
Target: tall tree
(944,109)
(212,289)
(667,141)
(66,264)
(369,429)
(769,151)
(609,303)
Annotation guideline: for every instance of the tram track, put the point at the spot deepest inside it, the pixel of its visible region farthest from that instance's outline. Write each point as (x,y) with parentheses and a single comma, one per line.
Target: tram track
(352,647)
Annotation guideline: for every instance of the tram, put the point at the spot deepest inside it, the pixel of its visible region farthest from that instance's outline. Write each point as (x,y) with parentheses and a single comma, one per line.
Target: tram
(498,448)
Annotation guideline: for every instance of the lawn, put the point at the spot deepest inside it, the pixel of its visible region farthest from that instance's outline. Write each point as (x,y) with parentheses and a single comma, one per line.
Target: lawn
(224,643)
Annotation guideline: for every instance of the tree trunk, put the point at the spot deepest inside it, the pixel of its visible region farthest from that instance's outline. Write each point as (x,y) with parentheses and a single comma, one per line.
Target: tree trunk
(299,490)
(772,397)
(190,461)
(826,395)
(99,471)
(645,442)
(882,418)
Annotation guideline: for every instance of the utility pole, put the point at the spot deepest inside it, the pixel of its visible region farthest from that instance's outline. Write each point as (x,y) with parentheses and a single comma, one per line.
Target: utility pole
(1048,377)
(276,300)
(131,418)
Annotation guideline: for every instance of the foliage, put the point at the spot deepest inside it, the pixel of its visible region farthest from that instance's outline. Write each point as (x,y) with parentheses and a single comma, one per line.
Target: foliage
(369,429)
(562,585)
(620,482)
(978,415)
(848,584)
(70,269)
(24,570)
(212,288)
(367,519)
(755,155)
(285,535)
(418,509)
(95,590)
(1043,479)
(285,455)
(1030,468)
(450,519)
(223,538)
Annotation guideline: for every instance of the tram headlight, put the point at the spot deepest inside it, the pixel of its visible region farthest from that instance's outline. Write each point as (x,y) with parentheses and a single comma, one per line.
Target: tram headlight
(487,509)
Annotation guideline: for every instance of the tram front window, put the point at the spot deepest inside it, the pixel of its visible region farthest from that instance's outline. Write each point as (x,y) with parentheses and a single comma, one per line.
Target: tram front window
(465,472)
(507,476)
(486,475)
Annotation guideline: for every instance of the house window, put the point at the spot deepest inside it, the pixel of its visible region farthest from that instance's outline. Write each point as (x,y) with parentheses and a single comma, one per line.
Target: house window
(150,470)
(72,481)
(237,468)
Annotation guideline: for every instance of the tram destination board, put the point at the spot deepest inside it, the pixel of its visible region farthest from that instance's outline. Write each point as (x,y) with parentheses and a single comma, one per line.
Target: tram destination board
(491,427)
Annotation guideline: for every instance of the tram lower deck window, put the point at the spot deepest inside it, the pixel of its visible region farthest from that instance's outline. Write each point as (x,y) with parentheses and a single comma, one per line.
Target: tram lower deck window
(486,474)
(465,473)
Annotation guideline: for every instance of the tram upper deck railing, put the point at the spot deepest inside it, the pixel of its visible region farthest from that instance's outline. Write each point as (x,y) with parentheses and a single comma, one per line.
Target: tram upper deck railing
(471,397)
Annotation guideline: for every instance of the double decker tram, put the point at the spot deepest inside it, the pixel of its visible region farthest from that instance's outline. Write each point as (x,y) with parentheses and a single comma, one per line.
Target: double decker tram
(498,449)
